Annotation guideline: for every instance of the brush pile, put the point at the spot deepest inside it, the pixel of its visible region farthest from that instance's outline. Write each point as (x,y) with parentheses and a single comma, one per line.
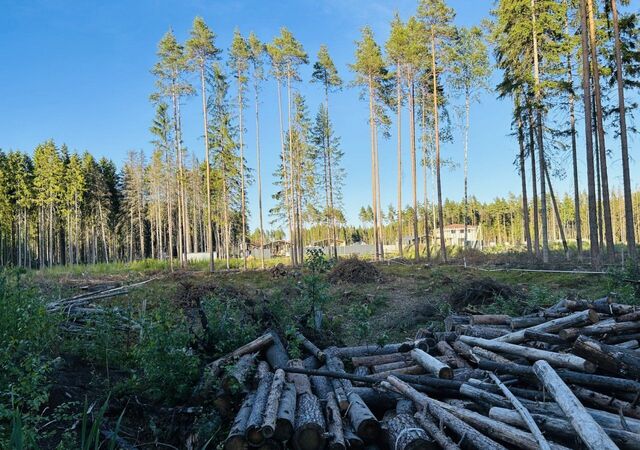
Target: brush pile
(354,270)
(565,377)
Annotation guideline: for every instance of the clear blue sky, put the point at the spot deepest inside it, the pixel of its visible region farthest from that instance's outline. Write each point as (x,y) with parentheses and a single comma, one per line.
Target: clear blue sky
(78,71)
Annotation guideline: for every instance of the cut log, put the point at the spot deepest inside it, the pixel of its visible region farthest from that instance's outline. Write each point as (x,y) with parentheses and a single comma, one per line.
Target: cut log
(556,359)
(425,420)
(609,326)
(548,338)
(334,423)
(362,419)
(376,360)
(483,353)
(391,366)
(368,350)
(618,339)
(353,441)
(236,439)
(607,357)
(403,433)
(309,430)
(483,331)
(405,406)
(451,322)
(458,427)
(498,430)
(490,319)
(517,323)
(254,424)
(630,317)
(310,362)
(446,350)
(561,428)
(464,350)
(552,326)
(321,387)
(270,416)
(569,376)
(431,364)
(376,400)
(524,413)
(362,371)
(632,344)
(276,355)
(606,402)
(252,347)
(286,413)
(408,370)
(448,336)
(592,434)
(237,376)
(301,381)
(311,347)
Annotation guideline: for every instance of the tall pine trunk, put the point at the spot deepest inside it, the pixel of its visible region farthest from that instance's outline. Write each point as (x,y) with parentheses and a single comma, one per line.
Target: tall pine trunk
(591,187)
(606,205)
(414,175)
(259,173)
(523,179)
(374,199)
(443,245)
(399,152)
(624,145)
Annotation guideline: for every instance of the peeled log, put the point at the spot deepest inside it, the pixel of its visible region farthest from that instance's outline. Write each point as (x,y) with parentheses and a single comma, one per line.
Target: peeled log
(311,347)
(607,357)
(270,415)
(577,318)
(606,402)
(309,425)
(557,359)
(405,434)
(488,354)
(369,350)
(236,439)
(451,322)
(431,364)
(390,366)
(286,413)
(587,428)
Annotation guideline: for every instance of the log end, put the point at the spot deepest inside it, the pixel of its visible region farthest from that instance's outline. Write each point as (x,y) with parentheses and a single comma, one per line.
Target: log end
(236,443)
(283,431)
(446,373)
(254,436)
(369,430)
(593,316)
(309,437)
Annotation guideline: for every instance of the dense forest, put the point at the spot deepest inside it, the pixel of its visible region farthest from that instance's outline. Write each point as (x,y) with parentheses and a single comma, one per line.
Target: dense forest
(571,69)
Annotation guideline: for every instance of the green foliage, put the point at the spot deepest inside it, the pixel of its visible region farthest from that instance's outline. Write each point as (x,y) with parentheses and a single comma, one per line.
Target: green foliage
(27,335)
(316,261)
(229,325)
(360,315)
(169,367)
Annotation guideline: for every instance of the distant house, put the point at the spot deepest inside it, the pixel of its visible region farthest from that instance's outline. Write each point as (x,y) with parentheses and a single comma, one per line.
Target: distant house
(327,243)
(454,235)
(278,247)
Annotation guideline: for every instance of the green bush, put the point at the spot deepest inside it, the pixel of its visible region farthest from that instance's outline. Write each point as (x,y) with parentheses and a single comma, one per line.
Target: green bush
(27,333)
(229,325)
(169,367)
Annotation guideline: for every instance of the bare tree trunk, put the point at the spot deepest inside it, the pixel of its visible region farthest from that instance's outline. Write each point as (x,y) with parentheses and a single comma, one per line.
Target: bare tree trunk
(332,211)
(540,138)
(288,202)
(624,145)
(203,93)
(258,167)
(424,170)
(399,152)
(373,168)
(466,166)
(534,183)
(243,211)
(443,246)
(294,213)
(586,87)
(557,214)
(414,175)
(600,132)
(523,178)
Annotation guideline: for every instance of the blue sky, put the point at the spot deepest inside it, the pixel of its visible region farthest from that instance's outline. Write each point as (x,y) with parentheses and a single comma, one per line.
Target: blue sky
(78,71)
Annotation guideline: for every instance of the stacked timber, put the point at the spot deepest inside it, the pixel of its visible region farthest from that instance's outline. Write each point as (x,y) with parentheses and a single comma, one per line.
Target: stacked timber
(564,377)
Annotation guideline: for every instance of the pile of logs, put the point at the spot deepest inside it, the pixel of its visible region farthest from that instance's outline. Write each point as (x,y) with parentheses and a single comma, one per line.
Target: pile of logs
(566,377)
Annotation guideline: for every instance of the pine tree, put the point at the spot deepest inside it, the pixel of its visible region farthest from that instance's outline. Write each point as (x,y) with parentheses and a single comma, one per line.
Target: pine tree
(370,72)
(470,71)
(239,56)
(438,18)
(325,72)
(202,51)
